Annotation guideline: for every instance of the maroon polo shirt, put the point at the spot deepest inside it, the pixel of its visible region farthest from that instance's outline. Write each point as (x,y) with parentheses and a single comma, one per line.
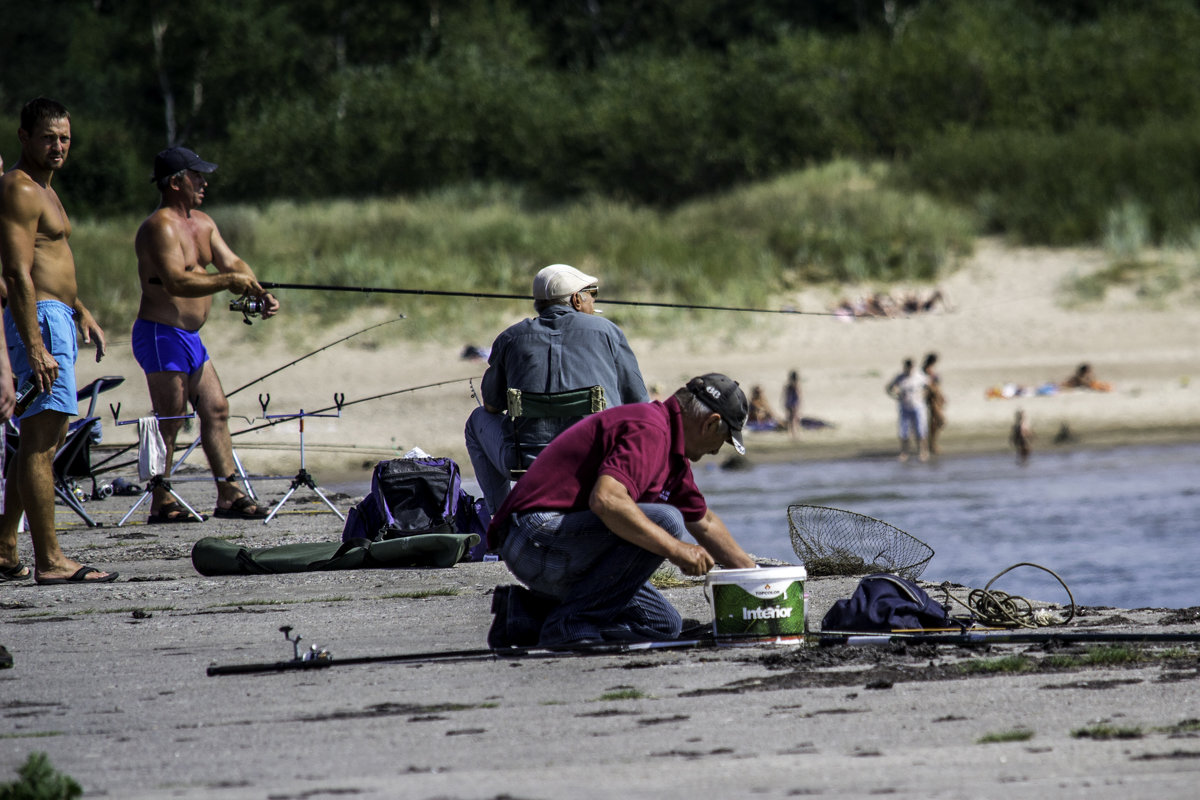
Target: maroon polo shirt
(640,445)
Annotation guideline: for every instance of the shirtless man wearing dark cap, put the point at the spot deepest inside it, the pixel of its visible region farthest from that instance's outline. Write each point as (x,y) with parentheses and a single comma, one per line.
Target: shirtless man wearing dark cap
(175,245)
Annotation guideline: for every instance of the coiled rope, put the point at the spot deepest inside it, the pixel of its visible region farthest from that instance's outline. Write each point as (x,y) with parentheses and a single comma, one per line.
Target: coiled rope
(1002,610)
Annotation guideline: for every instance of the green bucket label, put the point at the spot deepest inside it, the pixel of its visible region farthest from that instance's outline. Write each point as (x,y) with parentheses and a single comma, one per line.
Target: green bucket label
(771,609)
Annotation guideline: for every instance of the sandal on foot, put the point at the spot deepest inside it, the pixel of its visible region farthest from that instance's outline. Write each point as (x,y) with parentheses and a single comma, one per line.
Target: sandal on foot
(171,513)
(240,509)
(17,572)
(80,576)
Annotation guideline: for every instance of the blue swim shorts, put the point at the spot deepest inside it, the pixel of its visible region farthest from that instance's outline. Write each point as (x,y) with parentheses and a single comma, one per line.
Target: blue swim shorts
(165,348)
(57,323)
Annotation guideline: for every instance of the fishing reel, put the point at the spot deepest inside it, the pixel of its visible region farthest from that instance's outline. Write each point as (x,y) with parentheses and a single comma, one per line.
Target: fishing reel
(249,306)
(313,653)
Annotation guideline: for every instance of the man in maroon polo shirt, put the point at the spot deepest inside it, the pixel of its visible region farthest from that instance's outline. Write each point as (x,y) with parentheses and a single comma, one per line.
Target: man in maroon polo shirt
(601,508)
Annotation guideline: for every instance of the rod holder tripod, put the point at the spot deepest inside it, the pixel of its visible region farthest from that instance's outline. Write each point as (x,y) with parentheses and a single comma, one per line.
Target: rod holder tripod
(159,482)
(156,481)
(303,476)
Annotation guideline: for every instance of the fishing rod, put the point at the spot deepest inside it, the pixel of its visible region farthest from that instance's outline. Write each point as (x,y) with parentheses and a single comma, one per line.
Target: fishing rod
(313,353)
(866,638)
(496,296)
(356,402)
(189,448)
(320,658)
(272,423)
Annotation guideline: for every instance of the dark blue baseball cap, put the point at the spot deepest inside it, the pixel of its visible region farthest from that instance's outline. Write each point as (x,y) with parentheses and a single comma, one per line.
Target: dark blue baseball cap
(177,159)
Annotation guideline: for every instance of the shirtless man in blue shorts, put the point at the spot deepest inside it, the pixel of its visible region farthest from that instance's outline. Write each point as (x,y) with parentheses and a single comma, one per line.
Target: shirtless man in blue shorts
(43,310)
(175,245)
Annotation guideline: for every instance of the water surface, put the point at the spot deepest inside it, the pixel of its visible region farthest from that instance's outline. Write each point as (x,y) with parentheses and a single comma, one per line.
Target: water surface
(1120,526)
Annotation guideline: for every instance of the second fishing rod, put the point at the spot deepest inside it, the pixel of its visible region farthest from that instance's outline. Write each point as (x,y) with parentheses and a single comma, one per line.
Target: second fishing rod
(318,287)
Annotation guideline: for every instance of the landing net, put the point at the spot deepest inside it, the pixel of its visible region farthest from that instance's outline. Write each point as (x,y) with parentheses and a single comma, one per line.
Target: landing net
(832,541)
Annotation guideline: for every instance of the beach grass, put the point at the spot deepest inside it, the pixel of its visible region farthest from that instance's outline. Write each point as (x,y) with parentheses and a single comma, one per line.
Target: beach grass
(1105,732)
(1014,735)
(624,693)
(1154,276)
(422,594)
(749,247)
(1001,665)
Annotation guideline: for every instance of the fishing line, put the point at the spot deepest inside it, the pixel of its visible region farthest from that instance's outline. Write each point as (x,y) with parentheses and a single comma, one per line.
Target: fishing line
(496,296)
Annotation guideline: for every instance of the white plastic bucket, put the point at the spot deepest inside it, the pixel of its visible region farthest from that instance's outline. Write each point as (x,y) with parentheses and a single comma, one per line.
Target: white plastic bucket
(757,606)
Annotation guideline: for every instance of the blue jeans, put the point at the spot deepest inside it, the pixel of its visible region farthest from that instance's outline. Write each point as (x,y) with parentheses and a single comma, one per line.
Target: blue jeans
(598,578)
(491,454)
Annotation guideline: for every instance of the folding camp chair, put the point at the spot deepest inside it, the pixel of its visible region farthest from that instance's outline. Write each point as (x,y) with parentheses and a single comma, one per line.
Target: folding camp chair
(73,458)
(538,416)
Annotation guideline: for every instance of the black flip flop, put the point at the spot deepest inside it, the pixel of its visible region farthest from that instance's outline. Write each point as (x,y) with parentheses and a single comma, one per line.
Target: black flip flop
(13,573)
(237,510)
(170,513)
(80,576)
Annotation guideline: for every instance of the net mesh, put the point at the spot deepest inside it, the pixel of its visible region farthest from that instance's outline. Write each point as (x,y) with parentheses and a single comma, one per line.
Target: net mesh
(831,541)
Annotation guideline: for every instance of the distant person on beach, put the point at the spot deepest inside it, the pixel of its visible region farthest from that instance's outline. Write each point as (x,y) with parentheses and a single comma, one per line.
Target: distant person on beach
(908,390)
(600,510)
(42,312)
(1021,437)
(762,418)
(174,246)
(792,399)
(565,347)
(1085,378)
(935,401)
(912,302)
(881,304)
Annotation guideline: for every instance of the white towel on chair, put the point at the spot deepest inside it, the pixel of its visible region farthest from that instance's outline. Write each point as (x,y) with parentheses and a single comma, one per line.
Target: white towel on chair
(152,451)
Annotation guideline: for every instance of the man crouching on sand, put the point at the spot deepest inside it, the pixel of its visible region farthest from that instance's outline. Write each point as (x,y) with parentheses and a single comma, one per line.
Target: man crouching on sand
(601,508)
(174,246)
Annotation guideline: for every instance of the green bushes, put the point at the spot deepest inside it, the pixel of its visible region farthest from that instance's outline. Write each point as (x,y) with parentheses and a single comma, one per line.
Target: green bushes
(1061,188)
(1039,116)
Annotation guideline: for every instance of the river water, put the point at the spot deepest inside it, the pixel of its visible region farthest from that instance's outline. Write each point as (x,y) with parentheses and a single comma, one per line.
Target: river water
(1120,526)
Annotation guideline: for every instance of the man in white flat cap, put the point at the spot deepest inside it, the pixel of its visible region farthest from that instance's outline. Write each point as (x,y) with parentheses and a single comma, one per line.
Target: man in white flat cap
(566,346)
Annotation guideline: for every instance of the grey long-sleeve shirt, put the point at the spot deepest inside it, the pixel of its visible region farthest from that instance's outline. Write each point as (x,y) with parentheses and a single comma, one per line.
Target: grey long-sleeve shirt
(563,349)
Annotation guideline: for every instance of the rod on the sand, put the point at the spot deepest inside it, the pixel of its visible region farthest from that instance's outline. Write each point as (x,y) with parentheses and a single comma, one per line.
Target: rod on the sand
(866,638)
(317,287)
(322,659)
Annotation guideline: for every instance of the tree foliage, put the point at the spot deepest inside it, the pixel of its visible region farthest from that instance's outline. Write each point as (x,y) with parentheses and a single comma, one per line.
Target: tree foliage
(640,100)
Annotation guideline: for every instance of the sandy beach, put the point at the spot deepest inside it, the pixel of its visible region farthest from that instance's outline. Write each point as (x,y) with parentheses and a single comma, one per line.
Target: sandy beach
(1005,325)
